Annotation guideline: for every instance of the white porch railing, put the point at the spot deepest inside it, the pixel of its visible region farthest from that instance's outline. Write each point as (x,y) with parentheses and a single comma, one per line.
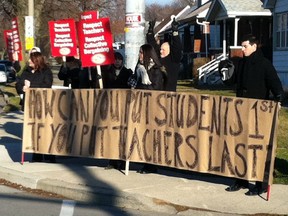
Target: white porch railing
(209,68)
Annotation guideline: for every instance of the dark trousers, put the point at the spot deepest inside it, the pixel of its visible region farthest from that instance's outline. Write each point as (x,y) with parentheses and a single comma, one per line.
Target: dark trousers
(36,157)
(245,183)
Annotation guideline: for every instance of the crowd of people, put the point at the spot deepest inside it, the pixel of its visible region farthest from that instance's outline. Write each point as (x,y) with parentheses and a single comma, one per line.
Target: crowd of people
(157,69)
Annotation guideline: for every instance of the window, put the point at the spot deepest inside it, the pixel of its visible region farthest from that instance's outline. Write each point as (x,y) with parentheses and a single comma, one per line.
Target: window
(282,30)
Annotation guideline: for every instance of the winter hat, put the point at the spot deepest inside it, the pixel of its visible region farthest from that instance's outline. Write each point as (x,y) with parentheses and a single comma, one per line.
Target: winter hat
(118,55)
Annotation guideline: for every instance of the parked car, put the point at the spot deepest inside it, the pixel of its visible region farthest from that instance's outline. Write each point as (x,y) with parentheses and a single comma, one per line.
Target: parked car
(3,73)
(11,72)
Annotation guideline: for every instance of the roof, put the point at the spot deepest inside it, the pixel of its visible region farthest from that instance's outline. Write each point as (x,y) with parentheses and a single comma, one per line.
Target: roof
(165,24)
(225,9)
(194,12)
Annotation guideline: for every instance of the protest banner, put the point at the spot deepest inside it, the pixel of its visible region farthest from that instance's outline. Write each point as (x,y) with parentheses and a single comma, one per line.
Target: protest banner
(63,38)
(203,133)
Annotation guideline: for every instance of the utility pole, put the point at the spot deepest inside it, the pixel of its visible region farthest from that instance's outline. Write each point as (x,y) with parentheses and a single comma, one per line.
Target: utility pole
(134,31)
(30,7)
(29,26)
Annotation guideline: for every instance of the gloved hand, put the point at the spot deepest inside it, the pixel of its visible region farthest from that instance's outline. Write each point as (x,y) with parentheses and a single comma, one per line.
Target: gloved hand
(174,25)
(151,26)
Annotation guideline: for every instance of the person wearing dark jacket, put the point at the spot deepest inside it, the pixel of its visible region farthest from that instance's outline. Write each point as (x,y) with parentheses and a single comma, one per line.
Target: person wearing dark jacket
(116,75)
(36,75)
(69,72)
(170,54)
(76,77)
(255,77)
(150,75)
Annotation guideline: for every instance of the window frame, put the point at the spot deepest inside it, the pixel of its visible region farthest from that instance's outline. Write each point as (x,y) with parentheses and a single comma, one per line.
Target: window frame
(281,31)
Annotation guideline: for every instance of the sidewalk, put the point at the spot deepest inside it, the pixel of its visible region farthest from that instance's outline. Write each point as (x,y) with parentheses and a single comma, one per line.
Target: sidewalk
(170,190)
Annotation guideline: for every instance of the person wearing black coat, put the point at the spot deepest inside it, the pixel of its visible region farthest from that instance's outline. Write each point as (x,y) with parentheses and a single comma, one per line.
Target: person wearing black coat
(116,75)
(255,77)
(36,75)
(73,75)
(170,54)
(151,75)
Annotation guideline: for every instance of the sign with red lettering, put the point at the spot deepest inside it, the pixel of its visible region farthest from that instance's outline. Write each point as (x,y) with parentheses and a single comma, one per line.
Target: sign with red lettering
(133,19)
(17,47)
(8,38)
(89,15)
(63,37)
(95,42)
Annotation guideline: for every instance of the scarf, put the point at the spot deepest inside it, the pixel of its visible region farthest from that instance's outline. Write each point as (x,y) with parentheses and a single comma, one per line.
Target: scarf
(142,72)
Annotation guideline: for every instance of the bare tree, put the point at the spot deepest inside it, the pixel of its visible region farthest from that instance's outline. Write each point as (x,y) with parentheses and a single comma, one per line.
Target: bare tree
(159,12)
(46,10)
(184,3)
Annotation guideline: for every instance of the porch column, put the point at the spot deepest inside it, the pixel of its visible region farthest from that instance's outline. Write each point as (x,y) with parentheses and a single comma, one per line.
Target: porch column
(224,38)
(236,51)
(236,31)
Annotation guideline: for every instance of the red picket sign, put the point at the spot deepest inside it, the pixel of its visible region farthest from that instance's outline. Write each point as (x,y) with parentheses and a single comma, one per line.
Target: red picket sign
(89,15)
(8,38)
(16,39)
(95,42)
(63,37)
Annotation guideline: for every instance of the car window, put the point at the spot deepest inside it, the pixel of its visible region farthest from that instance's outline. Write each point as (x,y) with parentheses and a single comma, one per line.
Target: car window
(7,63)
(2,67)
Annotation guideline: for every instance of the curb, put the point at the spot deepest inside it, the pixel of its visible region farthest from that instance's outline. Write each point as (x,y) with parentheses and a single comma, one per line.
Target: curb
(101,195)
(26,180)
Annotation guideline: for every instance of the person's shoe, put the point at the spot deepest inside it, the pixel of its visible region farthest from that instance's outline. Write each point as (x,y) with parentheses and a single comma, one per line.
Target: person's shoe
(109,167)
(147,171)
(235,187)
(256,191)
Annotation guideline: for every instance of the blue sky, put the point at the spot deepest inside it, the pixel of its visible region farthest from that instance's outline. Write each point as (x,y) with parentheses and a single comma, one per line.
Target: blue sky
(162,2)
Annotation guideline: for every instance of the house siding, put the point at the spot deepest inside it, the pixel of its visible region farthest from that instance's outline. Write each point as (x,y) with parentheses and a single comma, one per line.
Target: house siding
(281,6)
(281,66)
(280,57)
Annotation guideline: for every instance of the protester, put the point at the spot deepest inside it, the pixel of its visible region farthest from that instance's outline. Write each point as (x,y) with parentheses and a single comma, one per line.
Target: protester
(69,72)
(115,76)
(150,75)
(15,61)
(36,75)
(76,77)
(170,54)
(255,77)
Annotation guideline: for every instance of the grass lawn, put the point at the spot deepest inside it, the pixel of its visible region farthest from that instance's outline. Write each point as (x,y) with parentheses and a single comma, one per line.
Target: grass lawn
(281,161)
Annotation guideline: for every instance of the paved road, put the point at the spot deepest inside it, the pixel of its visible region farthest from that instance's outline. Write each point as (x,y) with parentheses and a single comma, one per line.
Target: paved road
(17,202)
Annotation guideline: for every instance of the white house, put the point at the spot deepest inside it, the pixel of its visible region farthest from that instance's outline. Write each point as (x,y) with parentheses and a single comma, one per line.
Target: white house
(280,37)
